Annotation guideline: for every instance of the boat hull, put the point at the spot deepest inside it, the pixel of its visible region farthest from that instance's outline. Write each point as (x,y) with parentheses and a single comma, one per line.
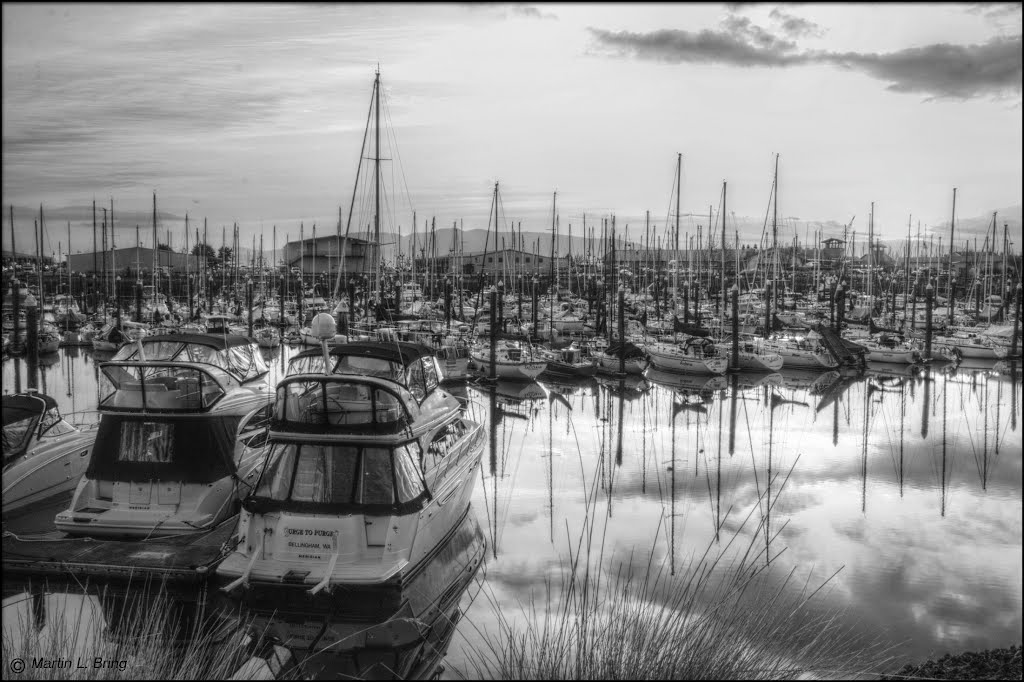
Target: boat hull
(50,469)
(676,360)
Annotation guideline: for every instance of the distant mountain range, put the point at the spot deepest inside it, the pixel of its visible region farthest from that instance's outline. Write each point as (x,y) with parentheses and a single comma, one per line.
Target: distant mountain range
(749,230)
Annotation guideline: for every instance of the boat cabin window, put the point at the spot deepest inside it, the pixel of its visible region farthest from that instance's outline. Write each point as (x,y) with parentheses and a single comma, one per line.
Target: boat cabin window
(153,350)
(336,403)
(52,424)
(429,373)
(256,427)
(514,354)
(310,364)
(362,479)
(18,428)
(146,442)
(415,379)
(369,366)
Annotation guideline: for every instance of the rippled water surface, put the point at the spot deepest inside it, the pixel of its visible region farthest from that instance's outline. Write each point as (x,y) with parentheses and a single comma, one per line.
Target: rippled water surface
(904,484)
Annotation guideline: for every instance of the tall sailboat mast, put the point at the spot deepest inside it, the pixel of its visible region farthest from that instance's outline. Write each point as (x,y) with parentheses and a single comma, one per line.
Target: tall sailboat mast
(376,181)
(952,226)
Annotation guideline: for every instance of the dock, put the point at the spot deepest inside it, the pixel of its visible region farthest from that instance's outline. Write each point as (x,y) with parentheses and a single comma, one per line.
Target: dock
(179,563)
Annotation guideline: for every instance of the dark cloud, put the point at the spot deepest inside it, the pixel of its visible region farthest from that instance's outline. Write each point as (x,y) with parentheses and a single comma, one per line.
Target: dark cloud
(744,29)
(505,10)
(944,70)
(794,26)
(939,70)
(996,12)
(672,45)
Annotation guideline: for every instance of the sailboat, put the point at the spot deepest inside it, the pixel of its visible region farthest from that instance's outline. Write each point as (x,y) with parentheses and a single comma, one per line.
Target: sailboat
(694,355)
(884,346)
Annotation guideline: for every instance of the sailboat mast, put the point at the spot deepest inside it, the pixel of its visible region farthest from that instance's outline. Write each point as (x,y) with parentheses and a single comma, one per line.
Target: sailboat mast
(155,280)
(871,251)
(675,256)
(722,283)
(376,180)
(952,227)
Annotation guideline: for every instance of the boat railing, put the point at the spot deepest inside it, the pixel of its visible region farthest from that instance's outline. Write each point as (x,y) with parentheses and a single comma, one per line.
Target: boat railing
(84,420)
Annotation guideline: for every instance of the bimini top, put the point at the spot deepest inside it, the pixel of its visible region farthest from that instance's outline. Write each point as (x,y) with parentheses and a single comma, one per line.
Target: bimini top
(237,355)
(19,405)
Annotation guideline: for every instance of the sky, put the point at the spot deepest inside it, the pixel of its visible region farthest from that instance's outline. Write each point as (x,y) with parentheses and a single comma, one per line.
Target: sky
(256,114)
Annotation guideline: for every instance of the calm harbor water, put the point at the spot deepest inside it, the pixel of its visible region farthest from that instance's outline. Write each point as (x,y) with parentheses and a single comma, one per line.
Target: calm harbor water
(908,483)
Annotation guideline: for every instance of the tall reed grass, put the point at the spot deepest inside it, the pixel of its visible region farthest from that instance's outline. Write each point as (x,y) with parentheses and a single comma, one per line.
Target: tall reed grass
(729,614)
(140,636)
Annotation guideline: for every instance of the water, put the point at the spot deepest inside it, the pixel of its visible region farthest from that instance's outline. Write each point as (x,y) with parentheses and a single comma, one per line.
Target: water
(904,484)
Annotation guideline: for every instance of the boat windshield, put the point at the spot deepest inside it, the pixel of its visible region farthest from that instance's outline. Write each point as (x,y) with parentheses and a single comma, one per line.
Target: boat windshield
(307,364)
(163,387)
(315,477)
(18,428)
(240,360)
(311,405)
(370,366)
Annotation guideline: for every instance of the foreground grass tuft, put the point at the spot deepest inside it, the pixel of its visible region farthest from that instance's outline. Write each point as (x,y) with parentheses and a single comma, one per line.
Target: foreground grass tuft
(727,615)
(150,641)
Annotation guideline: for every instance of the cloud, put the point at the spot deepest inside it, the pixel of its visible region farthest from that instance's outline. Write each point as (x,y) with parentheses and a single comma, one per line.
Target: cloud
(997,13)
(676,46)
(940,70)
(530,11)
(944,70)
(794,26)
(506,10)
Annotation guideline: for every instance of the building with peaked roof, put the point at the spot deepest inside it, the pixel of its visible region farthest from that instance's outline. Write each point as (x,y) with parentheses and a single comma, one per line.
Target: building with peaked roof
(320,255)
(136,260)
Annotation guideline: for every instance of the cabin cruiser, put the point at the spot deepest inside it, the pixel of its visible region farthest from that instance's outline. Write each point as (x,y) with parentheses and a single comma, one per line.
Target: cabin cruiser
(569,361)
(890,348)
(179,439)
(453,354)
(371,468)
(696,355)
(802,352)
(636,358)
(511,361)
(43,454)
(109,338)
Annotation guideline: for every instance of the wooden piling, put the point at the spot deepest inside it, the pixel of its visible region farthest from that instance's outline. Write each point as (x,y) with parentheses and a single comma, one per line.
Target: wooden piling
(929,298)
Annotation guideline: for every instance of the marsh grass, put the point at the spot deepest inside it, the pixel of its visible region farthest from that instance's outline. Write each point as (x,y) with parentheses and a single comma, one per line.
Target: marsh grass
(730,614)
(143,635)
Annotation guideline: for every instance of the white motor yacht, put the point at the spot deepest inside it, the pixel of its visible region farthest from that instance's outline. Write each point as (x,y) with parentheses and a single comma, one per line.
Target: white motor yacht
(179,438)
(371,468)
(43,455)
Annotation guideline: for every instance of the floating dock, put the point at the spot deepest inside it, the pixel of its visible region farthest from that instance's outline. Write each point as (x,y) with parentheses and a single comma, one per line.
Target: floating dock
(179,563)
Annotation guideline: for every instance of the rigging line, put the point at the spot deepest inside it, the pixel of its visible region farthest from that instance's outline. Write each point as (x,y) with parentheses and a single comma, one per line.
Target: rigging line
(396,152)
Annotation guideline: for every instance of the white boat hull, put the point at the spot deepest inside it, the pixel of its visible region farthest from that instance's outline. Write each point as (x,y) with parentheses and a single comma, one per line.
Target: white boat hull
(674,359)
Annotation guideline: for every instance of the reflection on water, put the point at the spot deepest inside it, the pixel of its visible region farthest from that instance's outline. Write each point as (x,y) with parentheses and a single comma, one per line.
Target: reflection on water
(908,480)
